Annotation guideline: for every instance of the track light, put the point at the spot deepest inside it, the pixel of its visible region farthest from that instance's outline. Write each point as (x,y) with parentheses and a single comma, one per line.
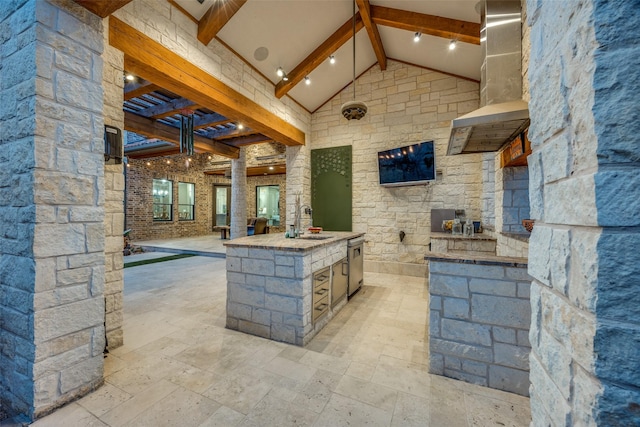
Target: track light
(332,59)
(240,126)
(285,78)
(129,77)
(417,36)
(452,44)
(307,80)
(280,72)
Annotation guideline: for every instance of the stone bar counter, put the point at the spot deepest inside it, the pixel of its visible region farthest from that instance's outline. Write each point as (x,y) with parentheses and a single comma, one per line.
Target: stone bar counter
(270,283)
(479,243)
(479,319)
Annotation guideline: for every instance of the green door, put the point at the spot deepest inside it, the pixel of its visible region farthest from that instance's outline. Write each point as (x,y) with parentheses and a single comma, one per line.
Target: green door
(331,188)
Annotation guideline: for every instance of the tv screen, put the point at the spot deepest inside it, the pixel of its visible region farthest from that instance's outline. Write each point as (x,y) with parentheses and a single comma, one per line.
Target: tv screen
(410,165)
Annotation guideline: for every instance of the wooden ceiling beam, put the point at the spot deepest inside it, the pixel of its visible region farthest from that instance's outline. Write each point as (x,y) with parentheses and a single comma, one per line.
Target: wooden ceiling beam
(247,140)
(207,120)
(145,154)
(138,90)
(230,133)
(155,63)
(217,17)
(167,109)
(322,52)
(463,31)
(154,129)
(374,35)
(102,8)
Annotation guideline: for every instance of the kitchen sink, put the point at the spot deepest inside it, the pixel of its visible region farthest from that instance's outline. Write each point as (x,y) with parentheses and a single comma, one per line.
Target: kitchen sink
(314,236)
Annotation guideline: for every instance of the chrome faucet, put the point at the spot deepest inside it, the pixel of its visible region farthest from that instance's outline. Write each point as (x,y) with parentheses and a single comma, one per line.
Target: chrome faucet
(298,218)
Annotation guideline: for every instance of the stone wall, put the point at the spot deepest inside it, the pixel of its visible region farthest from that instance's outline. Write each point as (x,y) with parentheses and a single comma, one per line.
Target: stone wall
(512,199)
(584,174)
(17,209)
(113,88)
(53,261)
(479,322)
(407,104)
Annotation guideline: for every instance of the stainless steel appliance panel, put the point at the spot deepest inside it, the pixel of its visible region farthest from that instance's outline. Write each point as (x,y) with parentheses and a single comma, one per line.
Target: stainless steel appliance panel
(439,215)
(321,290)
(356,260)
(339,281)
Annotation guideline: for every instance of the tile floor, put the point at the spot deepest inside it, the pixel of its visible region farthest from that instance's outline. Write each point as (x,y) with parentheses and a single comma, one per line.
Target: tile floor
(180,366)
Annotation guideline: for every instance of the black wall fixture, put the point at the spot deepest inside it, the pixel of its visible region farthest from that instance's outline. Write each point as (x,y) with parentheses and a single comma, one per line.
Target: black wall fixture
(112,145)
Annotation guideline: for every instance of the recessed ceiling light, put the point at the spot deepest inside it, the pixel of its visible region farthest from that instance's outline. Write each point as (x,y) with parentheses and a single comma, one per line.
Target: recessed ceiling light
(307,80)
(332,59)
(416,37)
(129,77)
(240,126)
(270,168)
(280,72)
(452,44)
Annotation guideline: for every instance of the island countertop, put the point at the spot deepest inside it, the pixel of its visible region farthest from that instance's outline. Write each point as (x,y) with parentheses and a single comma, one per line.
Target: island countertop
(278,241)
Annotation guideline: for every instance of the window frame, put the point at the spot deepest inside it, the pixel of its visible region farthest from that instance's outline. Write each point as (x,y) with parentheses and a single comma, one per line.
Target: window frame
(192,206)
(155,203)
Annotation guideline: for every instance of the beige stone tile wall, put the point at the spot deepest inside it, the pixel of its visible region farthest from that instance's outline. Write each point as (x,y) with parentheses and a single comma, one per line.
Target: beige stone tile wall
(407,105)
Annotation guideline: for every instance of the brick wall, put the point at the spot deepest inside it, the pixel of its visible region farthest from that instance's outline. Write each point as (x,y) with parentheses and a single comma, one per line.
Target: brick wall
(139,181)
(479,322)
(407,104)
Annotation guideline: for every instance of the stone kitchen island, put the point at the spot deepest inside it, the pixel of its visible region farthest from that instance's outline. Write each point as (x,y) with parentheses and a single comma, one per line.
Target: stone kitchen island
(270,283)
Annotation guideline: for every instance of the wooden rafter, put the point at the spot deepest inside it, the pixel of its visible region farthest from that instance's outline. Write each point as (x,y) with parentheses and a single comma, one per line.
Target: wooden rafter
(374,35)
(247,140)
(167,109)
(155,63)
(216,17)
(209,120)
(145,154)
(464,31)
(154,129)
(322,52)
(138,90)
(102,8)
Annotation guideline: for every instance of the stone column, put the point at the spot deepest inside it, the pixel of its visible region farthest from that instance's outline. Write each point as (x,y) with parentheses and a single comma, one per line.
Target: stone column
(239,195)
(51,205)
(113,87)
(584,180)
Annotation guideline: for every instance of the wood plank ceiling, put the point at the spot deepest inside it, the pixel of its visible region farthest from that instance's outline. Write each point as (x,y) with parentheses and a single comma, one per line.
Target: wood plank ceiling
(154,102)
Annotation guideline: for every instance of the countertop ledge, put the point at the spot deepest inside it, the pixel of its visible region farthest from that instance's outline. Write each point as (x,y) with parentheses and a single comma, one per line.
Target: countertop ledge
(279,242)
(477,236)
(465,258)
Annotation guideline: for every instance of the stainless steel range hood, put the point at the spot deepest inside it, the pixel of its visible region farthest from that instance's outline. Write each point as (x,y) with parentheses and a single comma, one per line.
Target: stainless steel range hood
(503,114)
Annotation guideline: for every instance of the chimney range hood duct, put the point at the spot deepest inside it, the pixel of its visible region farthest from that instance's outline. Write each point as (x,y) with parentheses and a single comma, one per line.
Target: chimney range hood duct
(503,115)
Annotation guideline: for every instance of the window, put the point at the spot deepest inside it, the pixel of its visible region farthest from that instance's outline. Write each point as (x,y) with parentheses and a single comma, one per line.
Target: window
(268,203)
(186,201)
(162,200)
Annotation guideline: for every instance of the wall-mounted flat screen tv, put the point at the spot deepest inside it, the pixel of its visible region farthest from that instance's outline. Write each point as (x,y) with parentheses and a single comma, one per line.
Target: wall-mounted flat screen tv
(410,165)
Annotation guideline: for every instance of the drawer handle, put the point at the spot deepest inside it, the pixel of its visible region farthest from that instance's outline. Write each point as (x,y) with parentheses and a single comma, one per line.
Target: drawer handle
(322,306)
(322,291)
(322,278)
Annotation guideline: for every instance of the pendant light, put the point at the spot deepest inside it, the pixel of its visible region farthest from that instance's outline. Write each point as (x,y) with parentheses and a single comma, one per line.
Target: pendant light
(354,109)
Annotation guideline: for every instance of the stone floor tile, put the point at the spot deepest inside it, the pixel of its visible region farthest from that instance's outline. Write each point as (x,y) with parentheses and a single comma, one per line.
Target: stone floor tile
(293,353)
(133,407)
(223,417)
(484,411)
(180,407)
(290,369)
(411,410)
(194,379)
(325,361)
(240,391)
(394,375)
(367,392)
(71,415)
(344,411)
(272,411)
(104,399)
(360,371)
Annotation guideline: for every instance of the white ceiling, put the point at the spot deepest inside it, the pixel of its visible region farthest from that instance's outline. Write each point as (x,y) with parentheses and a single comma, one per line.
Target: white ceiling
(292,29)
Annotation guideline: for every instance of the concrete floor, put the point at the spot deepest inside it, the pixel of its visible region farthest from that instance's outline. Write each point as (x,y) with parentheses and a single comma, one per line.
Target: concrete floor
(180,366)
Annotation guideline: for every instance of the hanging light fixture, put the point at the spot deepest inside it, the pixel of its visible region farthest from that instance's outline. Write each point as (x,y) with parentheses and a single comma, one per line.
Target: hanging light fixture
(186,132)
(354,109)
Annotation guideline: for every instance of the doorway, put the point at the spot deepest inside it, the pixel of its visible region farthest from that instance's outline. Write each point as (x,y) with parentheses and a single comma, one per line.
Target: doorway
(221,205)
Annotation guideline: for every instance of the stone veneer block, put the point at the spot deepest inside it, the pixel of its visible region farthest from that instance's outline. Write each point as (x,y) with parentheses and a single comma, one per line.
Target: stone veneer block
(478,325)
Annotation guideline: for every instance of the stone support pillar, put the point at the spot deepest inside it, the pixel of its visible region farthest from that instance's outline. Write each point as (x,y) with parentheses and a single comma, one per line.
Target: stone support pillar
(239,195)
(52,258)
(584,176)
(298,180)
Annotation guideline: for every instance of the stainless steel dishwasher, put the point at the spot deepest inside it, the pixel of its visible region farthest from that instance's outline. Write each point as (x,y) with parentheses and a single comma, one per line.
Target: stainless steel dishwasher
(356,258)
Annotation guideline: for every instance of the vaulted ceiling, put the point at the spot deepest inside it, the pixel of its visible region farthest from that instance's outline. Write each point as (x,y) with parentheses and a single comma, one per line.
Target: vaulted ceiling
(298,36)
